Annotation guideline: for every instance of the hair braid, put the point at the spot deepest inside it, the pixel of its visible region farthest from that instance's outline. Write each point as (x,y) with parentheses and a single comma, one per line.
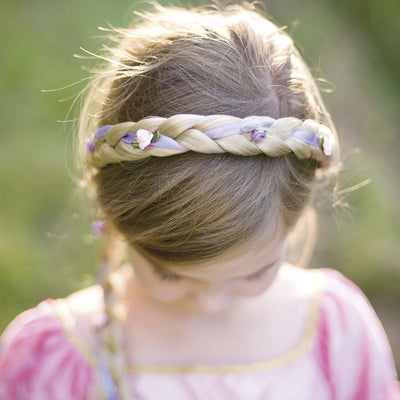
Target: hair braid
(188,131)
(111,332)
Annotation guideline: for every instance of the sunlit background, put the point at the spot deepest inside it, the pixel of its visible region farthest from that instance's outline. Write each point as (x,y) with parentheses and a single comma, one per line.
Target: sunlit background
(46,248)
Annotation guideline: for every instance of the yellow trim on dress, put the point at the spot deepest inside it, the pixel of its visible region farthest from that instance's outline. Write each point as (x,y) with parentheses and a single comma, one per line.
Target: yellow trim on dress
(68,325)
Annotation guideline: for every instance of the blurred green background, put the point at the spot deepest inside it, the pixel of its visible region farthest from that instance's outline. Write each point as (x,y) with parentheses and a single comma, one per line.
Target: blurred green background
(46,249)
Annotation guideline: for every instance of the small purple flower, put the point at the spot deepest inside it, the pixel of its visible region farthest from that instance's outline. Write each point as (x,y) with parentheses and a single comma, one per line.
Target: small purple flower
(98,227)
(258,134)
(90,145)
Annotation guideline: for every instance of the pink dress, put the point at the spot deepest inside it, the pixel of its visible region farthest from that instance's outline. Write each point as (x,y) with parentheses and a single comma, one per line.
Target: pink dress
(343,355)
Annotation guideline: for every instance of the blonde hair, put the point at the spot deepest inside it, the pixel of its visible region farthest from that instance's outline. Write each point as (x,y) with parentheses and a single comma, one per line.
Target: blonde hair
(194,206)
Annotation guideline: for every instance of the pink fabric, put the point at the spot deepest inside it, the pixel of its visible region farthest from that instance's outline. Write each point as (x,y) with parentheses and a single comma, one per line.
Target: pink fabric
(351,345)
(349,358)
(38,362)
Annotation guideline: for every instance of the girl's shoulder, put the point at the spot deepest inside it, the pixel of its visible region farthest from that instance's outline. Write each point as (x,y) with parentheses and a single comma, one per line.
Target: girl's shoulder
(341,306)
(349,329)
(330,289)
(342,300)
(341,313)
(349,343)
(38,357)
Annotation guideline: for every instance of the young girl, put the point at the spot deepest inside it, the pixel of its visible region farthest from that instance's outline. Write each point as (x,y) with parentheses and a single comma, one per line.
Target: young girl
(204,136)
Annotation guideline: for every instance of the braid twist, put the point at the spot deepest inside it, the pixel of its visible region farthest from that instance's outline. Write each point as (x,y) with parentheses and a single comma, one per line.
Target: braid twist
(111,331)
(212,134)
(113,343)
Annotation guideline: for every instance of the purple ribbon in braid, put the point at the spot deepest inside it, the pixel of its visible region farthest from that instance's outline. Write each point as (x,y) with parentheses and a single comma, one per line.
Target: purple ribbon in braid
(307,137)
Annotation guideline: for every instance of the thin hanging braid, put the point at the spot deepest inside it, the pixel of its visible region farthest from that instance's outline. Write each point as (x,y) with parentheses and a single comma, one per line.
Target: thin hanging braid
(192,132)
(111,333)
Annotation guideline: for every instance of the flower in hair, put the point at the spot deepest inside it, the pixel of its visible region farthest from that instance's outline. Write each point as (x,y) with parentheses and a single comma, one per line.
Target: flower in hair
(143,138)
(259,134)
(326,143)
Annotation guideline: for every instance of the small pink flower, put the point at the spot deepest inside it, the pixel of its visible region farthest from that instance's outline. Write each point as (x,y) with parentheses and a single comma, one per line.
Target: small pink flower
(327,145)
(143,138)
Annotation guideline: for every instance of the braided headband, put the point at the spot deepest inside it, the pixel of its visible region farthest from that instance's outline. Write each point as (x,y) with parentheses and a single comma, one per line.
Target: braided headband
(161,137)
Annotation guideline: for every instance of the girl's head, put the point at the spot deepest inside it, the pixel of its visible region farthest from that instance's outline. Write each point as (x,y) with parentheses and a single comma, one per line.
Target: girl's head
(230,199)
(193,207)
